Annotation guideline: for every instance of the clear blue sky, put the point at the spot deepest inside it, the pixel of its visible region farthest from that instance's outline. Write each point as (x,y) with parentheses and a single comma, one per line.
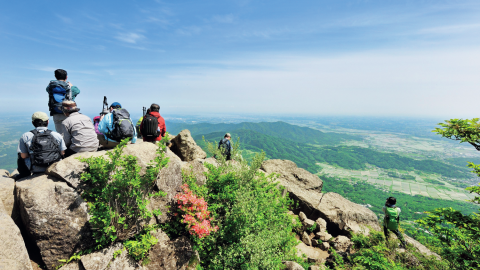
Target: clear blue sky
(413,58)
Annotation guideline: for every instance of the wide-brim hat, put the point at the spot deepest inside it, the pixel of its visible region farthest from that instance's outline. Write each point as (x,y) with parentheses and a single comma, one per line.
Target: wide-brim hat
(69,106)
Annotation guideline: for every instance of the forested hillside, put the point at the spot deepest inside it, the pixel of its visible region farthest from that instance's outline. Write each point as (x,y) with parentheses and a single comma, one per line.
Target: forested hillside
(275,129)
(350,157)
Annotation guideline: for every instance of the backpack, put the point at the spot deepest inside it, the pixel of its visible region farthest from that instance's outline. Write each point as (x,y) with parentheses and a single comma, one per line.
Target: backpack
(392,218)
(45,148)
(150,127)
(122,126)
(58,92)
(224,147)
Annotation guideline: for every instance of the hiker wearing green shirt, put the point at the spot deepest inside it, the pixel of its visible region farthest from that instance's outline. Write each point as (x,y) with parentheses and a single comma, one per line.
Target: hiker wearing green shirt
(392,220)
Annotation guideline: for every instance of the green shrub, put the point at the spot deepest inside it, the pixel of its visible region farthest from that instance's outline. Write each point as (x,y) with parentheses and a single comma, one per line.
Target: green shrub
(117,194)
(139,247)
(255,231)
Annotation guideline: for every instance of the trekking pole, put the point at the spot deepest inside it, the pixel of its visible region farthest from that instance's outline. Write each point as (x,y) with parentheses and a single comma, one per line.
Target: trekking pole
(105,106)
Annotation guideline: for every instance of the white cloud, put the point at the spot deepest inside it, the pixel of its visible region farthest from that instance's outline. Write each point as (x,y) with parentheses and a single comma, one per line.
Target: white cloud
(189,30)
(64,19)
(452,29)
(130,37)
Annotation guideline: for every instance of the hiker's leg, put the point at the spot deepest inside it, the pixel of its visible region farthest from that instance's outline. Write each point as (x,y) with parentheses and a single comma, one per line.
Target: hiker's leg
(399,236)
(23,170)
(57,120)
(104,143)
(385,232)
(69,152)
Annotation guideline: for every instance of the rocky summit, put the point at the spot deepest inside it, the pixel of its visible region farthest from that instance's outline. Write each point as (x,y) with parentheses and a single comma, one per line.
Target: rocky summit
(48,212)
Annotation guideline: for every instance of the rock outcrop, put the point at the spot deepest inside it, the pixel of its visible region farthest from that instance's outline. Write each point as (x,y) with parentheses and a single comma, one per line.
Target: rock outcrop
(342,216)
(13,253)
(292,266)
(342,243)
(186,148)
(7,194)
(55,216)
(196,168)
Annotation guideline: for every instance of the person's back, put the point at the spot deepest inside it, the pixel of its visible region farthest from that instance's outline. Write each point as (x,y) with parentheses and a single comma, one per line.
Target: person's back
(39,148)
(153,125)
(391,220)
(57,91)
(116,126)
(225,146)
(79,131)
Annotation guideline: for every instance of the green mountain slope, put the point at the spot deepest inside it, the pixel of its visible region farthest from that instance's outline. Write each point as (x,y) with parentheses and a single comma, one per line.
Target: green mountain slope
(348,157)
(275,129)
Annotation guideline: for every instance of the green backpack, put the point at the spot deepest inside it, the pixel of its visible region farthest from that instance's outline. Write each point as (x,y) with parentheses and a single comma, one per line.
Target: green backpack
(392,218)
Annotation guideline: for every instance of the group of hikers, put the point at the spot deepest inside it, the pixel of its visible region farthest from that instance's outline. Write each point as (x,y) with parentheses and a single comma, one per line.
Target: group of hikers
(75,132)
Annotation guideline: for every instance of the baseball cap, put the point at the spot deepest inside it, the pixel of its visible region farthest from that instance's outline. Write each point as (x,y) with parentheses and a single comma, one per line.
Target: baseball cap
(228,135)
(40,115)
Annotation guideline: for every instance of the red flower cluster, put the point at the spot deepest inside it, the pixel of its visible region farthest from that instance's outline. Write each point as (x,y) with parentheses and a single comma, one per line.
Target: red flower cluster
(196,215)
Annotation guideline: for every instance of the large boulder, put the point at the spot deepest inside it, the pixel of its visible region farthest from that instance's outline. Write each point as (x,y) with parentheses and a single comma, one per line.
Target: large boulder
(421,248)
(7,194)
(70,169)
(196,168)
(290,174)
(312,254)
(342,243)
(186,148)
(341,215)
(13,253)
(289,265)
(171,254)
(55,217)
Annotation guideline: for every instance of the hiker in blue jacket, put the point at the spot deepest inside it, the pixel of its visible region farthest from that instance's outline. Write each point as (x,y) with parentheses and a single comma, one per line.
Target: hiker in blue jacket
(226,146)
(116,126)
(57,91)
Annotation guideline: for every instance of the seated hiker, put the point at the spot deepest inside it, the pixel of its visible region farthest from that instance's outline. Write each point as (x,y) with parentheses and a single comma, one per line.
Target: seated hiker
(116,126)
(39,148)
(153,125)
(79,132)
(225,146)
(57,91)
(392,219)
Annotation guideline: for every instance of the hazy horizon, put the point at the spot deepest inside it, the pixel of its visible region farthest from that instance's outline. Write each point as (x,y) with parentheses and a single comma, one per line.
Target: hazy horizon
(375,58)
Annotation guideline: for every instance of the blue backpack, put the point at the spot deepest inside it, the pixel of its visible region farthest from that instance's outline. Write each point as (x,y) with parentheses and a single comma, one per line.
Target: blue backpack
(58,90)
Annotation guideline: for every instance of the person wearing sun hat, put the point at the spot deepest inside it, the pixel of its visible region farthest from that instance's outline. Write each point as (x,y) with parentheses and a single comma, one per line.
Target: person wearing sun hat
(78,130)
(30,150)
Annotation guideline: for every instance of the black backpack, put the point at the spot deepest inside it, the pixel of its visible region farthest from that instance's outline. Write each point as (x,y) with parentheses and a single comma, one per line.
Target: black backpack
(122,126)
(150,126)
(45,148)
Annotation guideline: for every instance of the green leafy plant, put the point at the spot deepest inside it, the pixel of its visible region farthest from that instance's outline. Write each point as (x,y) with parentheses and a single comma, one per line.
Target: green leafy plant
(117,194)
(139,247)
(458,234)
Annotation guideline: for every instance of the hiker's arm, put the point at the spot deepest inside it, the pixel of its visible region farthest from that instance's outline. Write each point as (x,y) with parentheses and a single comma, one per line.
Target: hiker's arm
(22,149)
(67,138)
(75,91)
(102,126)
(163,128)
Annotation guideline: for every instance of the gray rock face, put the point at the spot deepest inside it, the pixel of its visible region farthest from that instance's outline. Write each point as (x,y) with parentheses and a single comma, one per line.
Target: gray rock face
(342,215)
(290,174)
(196,168)
(212,161)
(302,216)
(324,246)
(99,260)
(76,265)
(7,194)
(342,244)
(13,253)
(293,266)
(313,254)
(324,236)
(55,217)
(70,169)
(306,239)
(170,255)
(421,248)
(4,173)
(186,148)
(321,225)
(308,223)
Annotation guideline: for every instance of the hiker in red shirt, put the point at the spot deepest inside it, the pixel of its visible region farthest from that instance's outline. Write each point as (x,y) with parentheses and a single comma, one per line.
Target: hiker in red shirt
(153,125)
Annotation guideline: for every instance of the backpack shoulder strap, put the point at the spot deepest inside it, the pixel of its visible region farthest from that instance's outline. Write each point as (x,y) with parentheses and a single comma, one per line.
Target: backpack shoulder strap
(34,131)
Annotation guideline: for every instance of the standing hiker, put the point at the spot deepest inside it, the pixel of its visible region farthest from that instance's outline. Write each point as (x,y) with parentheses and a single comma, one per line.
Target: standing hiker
(57,91)
(225,146)
(392,220)
(79,132)
(153,125)
(39,148)
(116,126)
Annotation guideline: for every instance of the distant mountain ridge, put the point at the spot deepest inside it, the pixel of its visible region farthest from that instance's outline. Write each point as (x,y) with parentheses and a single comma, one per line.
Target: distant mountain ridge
(276,129)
